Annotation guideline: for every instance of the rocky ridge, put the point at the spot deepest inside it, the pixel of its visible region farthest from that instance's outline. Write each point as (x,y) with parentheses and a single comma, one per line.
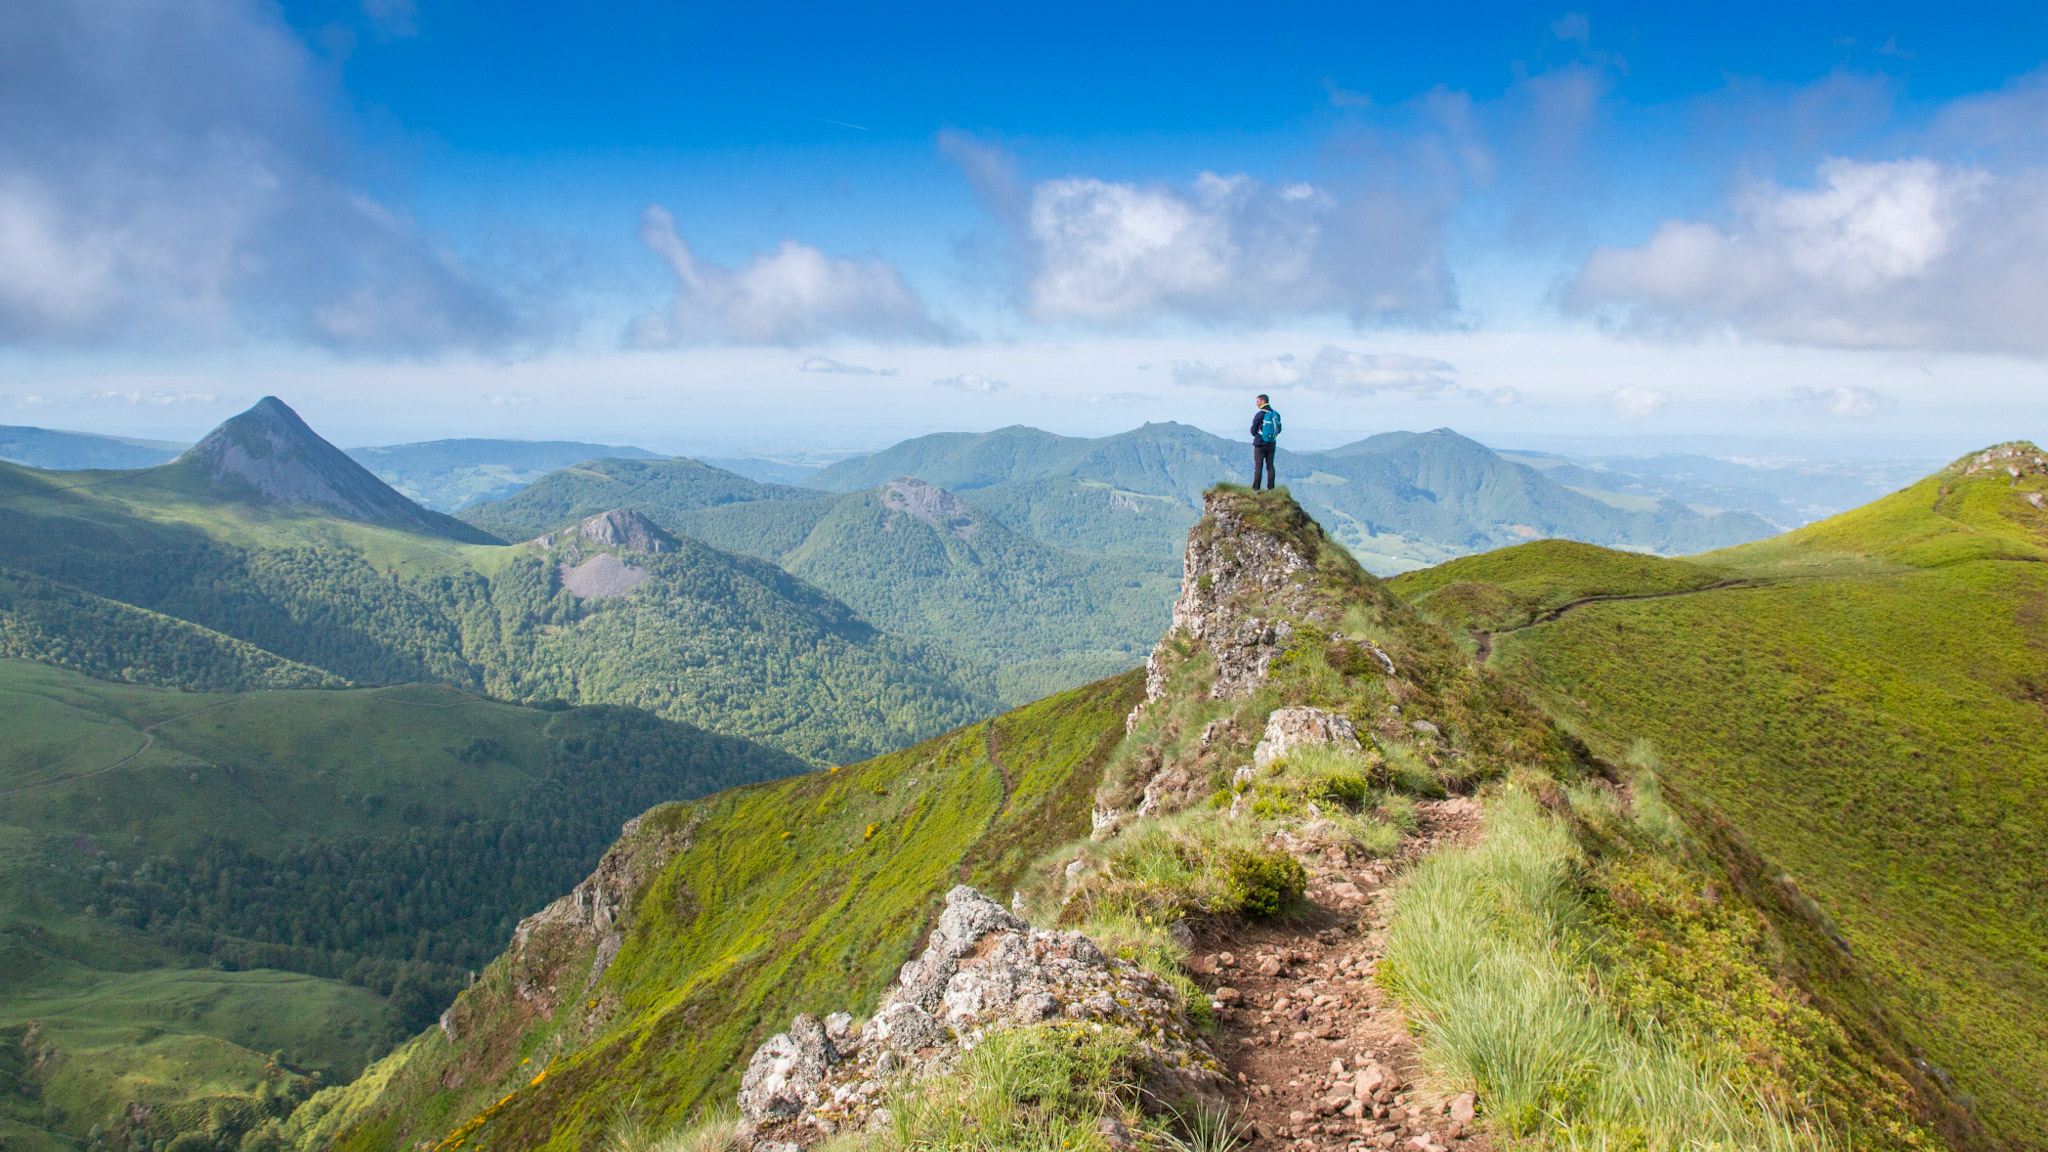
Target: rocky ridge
(982,971)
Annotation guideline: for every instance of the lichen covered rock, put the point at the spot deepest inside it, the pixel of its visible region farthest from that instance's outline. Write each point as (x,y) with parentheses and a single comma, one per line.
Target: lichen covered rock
(983,971)
(1291,728)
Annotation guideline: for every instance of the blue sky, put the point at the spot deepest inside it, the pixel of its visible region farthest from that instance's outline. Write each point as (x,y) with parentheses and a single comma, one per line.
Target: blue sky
(715,228)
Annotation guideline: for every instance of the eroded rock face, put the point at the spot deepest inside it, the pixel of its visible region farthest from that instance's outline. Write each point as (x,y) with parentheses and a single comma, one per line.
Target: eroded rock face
(983,971)
(1230,566)
(1291,728)
(931,504)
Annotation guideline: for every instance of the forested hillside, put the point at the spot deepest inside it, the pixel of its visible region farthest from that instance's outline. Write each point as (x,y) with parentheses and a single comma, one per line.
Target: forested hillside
(316,563)
(379,843)
(916,560)
(1856,703)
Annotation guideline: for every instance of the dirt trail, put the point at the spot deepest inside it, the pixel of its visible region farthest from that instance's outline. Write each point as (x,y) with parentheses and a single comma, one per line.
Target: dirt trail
(148,742)
(1485,639)
(1305,1029)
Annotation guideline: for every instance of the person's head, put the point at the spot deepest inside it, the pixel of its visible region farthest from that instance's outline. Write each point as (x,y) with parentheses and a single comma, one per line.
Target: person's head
(1262,399)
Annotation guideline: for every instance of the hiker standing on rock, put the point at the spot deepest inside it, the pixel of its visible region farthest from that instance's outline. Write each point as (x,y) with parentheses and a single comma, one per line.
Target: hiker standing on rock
(1265,436)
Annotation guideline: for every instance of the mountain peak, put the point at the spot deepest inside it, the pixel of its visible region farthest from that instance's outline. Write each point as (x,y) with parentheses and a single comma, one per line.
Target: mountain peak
(269,455)
(2014,458)
(621,528)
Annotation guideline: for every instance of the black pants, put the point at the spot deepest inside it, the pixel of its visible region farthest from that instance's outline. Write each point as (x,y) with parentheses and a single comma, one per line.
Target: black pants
(1262,460)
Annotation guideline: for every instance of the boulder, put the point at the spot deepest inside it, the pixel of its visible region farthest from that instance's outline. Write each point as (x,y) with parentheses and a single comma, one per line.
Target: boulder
(784,1076)
(1291,728)
(968,917)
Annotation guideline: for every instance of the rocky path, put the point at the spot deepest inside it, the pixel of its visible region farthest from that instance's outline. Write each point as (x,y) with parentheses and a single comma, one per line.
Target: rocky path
(1325,1061)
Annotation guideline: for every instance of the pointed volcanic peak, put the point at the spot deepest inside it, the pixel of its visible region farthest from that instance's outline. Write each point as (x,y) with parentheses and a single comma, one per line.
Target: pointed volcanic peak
(620,528)
(268,455)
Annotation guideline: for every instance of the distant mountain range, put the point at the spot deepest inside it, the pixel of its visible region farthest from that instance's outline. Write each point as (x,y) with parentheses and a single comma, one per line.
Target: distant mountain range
(51,448)
(447,475)
(1397,501)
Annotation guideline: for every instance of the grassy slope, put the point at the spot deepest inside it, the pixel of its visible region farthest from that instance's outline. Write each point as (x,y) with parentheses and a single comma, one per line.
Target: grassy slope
(1867,713)
(799,895)
(86,801)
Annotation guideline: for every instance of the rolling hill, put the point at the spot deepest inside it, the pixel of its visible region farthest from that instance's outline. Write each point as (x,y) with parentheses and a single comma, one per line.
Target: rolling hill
(448,475)
(1857,704)
(266,535)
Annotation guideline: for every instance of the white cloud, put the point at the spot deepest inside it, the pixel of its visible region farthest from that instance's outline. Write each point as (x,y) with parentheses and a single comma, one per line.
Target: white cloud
(827,364)
(971,382)
(1332,369)
(133,398)
(1906,254)
(1850,401)
(1222,249)
(1632,403)
(141,205)
(792,295)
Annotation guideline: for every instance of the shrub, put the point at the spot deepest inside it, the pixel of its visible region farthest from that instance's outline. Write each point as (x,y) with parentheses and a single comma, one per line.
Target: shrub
(1264,883)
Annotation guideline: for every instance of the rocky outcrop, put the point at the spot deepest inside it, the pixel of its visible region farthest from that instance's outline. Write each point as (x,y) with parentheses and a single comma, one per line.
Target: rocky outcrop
(2015,459)
(1291,728)
(563,950)
(590,574)
(982,971)
(620,528)
(268,455)
(931,504)
(1237,579)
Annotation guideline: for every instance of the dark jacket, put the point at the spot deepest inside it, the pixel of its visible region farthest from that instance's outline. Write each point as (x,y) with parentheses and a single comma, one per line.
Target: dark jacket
(1257,417)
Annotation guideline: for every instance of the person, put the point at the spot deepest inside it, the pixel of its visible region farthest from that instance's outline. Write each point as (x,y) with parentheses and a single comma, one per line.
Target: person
(1265,437)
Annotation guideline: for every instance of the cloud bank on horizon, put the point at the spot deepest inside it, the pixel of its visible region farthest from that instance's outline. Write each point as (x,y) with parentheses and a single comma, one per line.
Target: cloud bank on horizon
(337,190)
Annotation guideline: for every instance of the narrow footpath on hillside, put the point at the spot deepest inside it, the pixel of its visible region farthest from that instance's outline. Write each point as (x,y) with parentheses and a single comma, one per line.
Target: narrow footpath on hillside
(1324,1060)
(1485,639)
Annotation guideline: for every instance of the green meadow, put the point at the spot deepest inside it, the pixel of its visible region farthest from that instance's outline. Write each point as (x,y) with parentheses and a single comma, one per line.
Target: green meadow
(1861,704)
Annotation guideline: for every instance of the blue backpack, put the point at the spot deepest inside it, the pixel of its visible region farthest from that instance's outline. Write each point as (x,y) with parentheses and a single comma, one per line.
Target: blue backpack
(1269,425)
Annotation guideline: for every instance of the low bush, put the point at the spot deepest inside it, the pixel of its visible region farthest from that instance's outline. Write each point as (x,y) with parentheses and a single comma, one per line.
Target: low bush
(1264,884)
